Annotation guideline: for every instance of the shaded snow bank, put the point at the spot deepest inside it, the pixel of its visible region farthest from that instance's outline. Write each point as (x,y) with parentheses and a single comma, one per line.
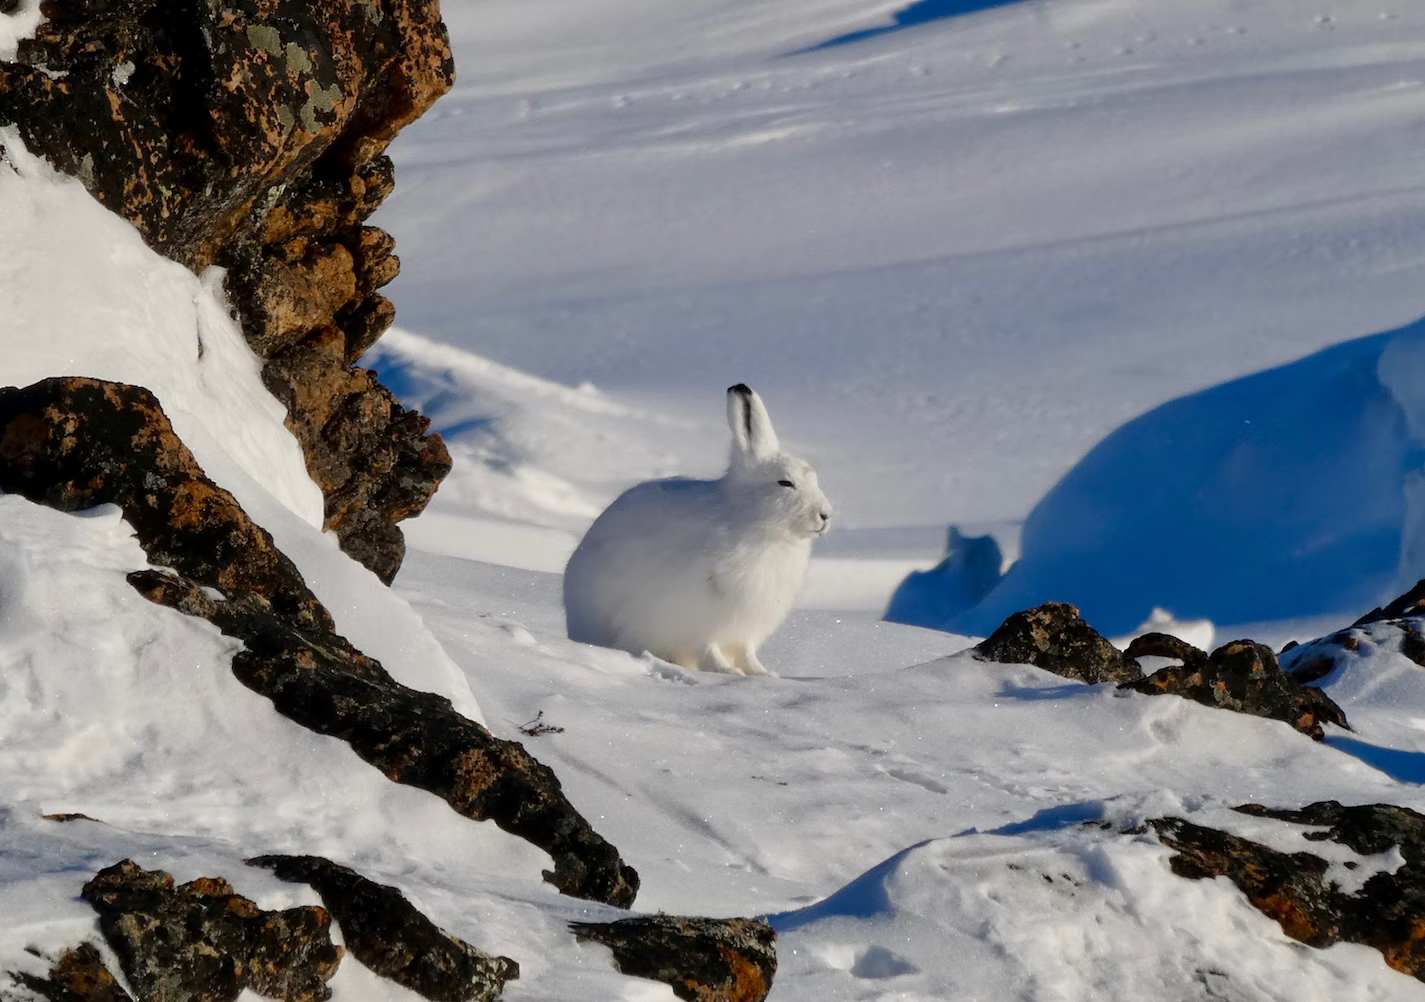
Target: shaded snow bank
(1294,492)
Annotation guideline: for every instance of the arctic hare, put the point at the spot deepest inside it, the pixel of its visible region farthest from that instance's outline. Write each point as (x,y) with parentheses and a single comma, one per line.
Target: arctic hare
(700,572)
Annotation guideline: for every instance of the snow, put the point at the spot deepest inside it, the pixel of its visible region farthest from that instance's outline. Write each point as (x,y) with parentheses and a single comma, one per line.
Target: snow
(1284,493)
(18,25)
(965,258)
(915,247)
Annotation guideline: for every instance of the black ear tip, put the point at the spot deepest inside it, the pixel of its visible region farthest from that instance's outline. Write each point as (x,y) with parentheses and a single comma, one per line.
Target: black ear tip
(741,389)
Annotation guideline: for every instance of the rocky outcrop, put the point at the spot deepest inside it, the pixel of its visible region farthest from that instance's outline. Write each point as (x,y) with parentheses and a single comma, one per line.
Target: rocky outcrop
(203,942)
(1398,623)
(73,443)
(251,136)
(79,975)
(1303,894)
(703,960)
(1054,637)
(387,934)
(1243,676)
(1412,603)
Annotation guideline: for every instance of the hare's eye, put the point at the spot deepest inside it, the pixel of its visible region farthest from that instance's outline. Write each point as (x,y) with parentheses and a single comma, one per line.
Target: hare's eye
(786,483)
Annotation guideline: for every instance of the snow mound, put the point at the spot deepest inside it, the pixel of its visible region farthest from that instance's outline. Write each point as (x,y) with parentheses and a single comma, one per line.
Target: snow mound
(1073,913)
(1293,492)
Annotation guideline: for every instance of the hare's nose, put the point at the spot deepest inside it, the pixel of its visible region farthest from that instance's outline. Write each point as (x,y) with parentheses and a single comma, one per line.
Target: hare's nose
(825,516)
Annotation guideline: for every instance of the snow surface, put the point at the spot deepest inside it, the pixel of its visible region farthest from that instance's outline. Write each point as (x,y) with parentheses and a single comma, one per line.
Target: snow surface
(953,253)
(18,25)
(1292,492)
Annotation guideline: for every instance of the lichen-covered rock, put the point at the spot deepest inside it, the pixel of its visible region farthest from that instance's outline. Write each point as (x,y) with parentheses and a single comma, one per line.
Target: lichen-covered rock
(1055,638)
(1298,890)
(1243,676)
(250,135)
(413,737)
(1398,623)
(1412,603)
(1165,645)
(73,442)
(703,960)
(390,936)
(372,457)
(203,942)
(78,976)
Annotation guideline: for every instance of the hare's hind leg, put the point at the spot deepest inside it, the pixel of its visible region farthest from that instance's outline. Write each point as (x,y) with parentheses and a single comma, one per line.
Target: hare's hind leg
(713,659)
(744,659)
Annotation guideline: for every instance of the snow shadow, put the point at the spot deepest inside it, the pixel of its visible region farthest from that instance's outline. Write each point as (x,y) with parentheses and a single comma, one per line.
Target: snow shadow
(921,12)
(863,898)
(437,395)
(1399,765)
(1054,818)
(1297,491)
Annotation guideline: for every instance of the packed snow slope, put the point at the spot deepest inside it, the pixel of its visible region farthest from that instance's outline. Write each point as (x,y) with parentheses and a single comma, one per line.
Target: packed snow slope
(952,252)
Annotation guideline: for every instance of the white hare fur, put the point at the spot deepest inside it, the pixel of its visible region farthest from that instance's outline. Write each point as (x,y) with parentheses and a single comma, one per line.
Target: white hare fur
(701,572)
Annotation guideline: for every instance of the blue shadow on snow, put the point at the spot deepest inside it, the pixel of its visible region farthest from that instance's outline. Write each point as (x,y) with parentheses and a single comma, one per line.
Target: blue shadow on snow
(1051,819)
(921,12)
(1402,766)
(1278,495)
(863,898)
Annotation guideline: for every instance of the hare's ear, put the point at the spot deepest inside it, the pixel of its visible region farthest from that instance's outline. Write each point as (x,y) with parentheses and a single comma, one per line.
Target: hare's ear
(752,434)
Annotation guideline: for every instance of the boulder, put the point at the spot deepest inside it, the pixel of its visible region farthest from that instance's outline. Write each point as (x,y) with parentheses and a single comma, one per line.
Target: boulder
(387,934)
(250,135)
(1399,622)
(1243,676)
(79,975)
(1054,637)
(1299,889)
(203,942)
(701,959)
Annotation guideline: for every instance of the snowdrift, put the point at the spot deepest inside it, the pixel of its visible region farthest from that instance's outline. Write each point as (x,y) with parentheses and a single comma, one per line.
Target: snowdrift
(1295,492)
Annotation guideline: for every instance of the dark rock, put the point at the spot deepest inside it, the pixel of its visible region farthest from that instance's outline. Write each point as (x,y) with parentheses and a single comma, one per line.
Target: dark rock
(1412,603)
(391,937)
(1245,676)
(413,737)
(78,976)
(1165,645)
(358,446)
(1316,659)
(1398,623)
(203,942)
(72,443)
(252,137)
(703,960)
(1055,638)
(1387,913)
